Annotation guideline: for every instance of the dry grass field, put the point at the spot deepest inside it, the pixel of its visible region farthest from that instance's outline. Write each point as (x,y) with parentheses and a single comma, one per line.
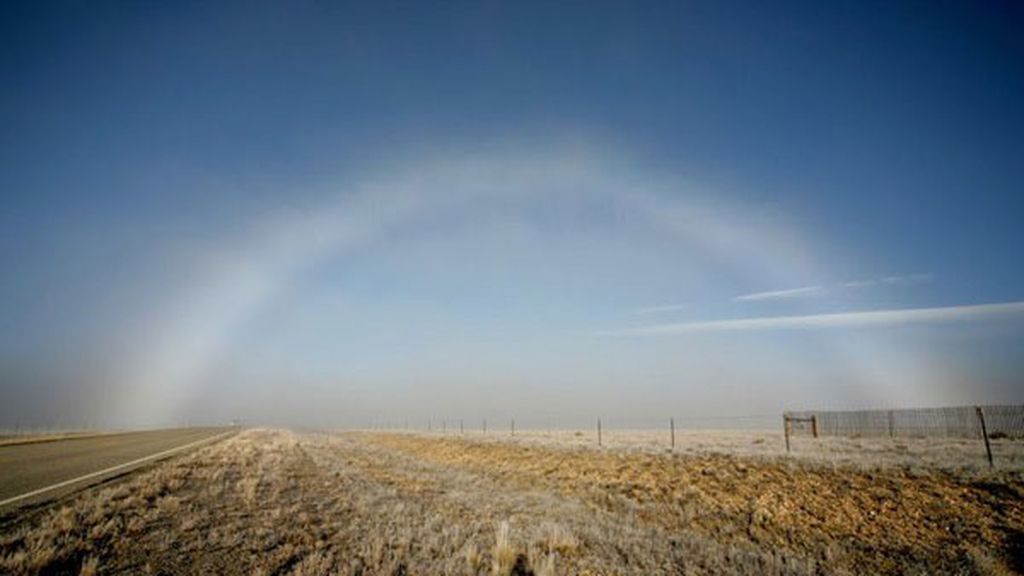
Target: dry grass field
(281,502)
(950,454)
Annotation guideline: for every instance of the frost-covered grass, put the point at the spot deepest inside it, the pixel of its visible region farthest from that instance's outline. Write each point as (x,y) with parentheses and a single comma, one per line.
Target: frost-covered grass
(278,502)
(867,452)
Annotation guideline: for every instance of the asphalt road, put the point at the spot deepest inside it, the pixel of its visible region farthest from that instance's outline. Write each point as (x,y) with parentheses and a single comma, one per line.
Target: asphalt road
(28,467)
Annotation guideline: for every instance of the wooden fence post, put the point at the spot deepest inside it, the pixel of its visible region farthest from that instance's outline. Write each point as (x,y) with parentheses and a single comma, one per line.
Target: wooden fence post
(513,426)
(462,430)
(430,425)
(785,430)
(892,424)
(598,431)
(444,426)
(814,425)
(672,431)
(485,426)
(984,434)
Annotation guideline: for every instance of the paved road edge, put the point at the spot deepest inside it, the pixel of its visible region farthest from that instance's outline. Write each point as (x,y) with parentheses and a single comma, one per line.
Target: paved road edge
(112,469)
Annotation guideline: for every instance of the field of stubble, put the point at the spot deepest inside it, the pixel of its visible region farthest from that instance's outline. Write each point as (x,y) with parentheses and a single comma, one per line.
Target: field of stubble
(279,502)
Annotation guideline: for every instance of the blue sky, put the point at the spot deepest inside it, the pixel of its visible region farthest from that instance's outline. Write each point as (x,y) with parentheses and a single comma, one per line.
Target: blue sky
(337,213)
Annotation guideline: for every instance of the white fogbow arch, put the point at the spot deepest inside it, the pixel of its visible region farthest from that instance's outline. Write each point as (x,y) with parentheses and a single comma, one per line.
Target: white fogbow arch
(192,326)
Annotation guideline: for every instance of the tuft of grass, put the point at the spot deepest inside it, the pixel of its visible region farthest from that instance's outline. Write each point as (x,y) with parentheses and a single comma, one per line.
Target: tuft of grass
(248,487)
(474,560)
(65,520)
(547,566)
(315,564)
(504,555)
(558,538)
(90,566)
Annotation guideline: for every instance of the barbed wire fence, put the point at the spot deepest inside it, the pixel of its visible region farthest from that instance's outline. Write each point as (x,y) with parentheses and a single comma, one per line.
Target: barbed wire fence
(982,423)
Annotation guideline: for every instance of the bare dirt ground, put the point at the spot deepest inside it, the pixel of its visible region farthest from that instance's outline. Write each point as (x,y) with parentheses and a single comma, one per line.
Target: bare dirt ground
(278,502)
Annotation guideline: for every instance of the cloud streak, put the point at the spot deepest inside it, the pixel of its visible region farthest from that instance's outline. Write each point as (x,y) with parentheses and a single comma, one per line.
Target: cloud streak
(782,294)
(661,309)
(817,290)
(903,280)
(872,318)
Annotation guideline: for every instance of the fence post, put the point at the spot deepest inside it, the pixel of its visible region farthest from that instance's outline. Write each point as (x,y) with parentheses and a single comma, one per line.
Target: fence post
(814,425)
(892,424)
(444,426)
(785,430)
(485,426)
(513,426)
(462,429)
(672,431)
(598,431)
(430,425)
(984,434)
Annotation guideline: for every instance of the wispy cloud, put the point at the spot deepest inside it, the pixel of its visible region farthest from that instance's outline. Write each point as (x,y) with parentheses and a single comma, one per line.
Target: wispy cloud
(902,280)
(843,319)
(660,309)
(899,280)
(906,280)
(781,294)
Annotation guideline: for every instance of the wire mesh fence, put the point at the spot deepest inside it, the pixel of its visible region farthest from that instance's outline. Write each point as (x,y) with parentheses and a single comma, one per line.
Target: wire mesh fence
(985,423)
(1005,421)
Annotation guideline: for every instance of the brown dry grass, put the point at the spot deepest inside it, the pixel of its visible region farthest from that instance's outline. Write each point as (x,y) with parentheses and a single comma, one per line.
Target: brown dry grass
(276,502)
(951,454)
(868,521)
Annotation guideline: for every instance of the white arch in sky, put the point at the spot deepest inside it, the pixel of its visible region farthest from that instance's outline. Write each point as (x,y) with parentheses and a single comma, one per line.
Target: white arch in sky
(192,326)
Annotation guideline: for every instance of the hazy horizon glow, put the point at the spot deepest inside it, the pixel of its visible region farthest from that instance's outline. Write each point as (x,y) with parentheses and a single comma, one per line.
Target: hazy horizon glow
(313,218)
